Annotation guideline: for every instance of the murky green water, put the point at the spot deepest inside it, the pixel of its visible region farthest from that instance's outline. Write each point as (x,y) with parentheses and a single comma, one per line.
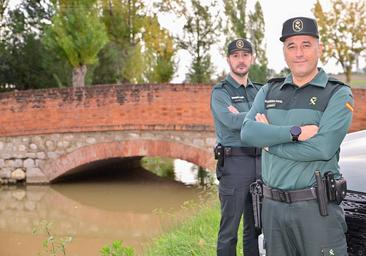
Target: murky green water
(134,207)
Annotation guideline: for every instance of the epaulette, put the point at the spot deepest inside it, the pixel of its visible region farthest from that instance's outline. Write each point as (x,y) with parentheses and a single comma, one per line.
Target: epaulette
(335,81)
(276,80)
(259,84)
(219,84)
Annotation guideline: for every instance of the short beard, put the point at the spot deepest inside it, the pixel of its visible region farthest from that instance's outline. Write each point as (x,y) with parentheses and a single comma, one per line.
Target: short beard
(240,74)
(237,73)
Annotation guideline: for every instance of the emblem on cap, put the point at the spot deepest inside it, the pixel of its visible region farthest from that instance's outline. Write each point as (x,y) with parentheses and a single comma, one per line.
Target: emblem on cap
(240,44)
(297,25)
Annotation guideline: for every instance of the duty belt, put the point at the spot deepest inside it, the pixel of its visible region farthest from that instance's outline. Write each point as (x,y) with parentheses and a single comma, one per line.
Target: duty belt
(289,196)
(240,151)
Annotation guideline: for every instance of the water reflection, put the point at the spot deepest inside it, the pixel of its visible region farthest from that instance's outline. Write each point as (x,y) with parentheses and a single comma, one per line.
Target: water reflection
(191,174)
(94,213)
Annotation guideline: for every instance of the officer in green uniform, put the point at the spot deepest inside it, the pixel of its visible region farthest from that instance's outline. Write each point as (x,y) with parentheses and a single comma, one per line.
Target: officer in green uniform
(237,166)
(300,122)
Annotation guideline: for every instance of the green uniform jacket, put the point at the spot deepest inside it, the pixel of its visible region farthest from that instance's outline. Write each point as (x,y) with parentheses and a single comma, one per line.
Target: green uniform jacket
(227,124)
(324,102)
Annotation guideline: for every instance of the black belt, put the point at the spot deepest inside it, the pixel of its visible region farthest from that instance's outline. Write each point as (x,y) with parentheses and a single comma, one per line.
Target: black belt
(240,151)
(289,196)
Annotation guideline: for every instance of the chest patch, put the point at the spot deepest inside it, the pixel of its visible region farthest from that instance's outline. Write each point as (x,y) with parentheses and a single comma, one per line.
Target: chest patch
(273,103)
(237,99)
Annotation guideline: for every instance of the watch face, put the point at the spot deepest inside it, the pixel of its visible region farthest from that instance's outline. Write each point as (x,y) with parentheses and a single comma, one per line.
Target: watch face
(295,131)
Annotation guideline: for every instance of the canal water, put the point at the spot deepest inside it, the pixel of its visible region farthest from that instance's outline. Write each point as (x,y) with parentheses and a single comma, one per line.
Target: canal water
(134,206)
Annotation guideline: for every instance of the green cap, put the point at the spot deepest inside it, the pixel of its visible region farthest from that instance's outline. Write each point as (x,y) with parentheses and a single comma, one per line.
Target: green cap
(239,45)
(299,26)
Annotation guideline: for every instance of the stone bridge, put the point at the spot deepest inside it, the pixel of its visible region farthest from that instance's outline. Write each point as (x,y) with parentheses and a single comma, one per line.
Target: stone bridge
(46,134)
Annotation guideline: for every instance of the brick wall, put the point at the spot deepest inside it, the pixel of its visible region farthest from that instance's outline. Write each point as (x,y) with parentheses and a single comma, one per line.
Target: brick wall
(106,107)
(113,107)
(359,114)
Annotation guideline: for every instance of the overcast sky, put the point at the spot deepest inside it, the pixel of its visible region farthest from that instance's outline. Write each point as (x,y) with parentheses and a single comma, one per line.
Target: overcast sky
(275,13)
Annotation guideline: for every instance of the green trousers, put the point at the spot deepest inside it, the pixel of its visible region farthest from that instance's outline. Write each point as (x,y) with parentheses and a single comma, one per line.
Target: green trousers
(298,229)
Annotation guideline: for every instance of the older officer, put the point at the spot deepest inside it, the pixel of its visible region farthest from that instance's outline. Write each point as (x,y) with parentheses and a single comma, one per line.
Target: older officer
(231,99)
(301,121)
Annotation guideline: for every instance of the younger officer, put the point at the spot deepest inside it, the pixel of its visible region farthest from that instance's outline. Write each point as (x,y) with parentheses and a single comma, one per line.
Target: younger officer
(231,99)
(301,121)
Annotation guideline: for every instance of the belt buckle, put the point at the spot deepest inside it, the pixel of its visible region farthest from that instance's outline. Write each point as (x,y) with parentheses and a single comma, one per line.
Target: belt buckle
(227,151)
(284,196)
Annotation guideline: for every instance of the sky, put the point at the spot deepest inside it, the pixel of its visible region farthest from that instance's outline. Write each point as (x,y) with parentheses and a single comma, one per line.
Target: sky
(275,13)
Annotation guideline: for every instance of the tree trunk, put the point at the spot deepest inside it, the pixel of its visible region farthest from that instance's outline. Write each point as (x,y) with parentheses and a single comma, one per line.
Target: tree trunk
(78,76)
(348,74)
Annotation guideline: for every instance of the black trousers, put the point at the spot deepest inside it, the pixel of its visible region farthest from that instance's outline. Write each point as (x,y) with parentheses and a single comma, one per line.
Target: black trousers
(235,178)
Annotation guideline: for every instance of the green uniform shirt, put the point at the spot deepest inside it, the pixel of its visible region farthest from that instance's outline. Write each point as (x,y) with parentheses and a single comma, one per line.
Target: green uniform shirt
(324,102)
(227,124)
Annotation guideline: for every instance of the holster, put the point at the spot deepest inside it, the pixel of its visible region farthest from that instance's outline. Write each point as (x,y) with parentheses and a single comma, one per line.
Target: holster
(329,189)
(219,154)
(321,194)
(256,189)
(336,189)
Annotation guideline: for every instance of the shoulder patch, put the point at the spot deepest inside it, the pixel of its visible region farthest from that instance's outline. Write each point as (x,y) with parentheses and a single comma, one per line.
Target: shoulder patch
(349,106)
(335,81)
(276,80)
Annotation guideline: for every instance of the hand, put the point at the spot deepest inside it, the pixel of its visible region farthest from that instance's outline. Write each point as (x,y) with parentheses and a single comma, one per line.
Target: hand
(308,131)
(261,118)
(233,109)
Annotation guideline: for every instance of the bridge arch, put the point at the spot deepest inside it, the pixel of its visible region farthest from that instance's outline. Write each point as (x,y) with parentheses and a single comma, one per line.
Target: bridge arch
(130,148)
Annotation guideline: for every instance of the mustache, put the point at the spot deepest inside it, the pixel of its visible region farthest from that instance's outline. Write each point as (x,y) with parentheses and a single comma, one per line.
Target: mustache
(241,66)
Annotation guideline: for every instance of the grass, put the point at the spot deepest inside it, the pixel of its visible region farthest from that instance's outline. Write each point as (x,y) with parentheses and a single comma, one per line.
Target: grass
(196,236)
(357,80)
(161,166)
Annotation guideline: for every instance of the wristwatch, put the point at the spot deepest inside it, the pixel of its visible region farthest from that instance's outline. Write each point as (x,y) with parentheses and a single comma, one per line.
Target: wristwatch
(295,133)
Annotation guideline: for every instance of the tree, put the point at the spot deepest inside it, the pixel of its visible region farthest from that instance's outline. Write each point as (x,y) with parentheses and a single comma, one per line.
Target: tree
(236,13)
(24,61)
(3,6)
(114,57)
(257,28)
(78,34)
(160,52)
(259,71)
(199,32)
(139,50)
(342,31)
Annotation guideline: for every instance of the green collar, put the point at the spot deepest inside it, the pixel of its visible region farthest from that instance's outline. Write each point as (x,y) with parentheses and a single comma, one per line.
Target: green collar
(320,80)
(234,83)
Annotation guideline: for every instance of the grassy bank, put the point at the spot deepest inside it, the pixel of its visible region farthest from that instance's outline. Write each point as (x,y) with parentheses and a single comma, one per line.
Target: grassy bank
(194,237)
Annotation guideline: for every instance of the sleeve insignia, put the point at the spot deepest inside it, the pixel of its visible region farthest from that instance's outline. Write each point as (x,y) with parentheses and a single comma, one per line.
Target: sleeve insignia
(349,106)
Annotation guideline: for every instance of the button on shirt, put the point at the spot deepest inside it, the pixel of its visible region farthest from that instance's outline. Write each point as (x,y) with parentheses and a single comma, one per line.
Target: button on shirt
(227,124)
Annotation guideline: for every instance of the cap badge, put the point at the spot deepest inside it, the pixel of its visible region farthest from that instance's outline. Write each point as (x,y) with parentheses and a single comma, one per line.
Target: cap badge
(239,44)
(297,25)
